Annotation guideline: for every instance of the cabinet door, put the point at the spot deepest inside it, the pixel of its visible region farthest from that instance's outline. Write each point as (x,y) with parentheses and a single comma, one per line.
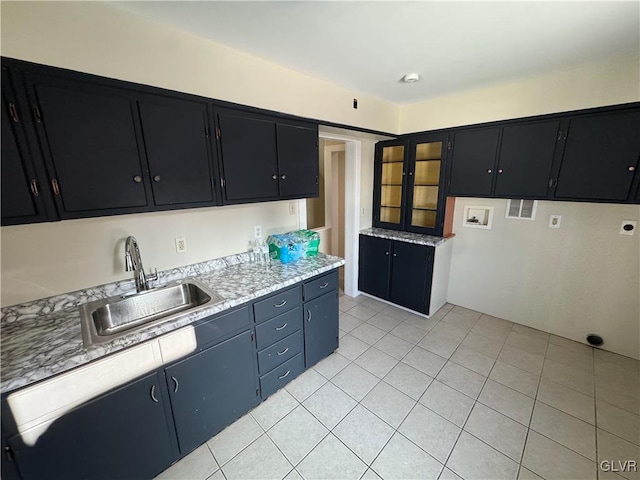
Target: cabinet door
(23,196)
(298,161)
(211,389)
(411,272)
(249,157)
(425,195)
(526,157)
(472,163)
(373,266)
(89,137)
(320,328)
(600,157)
(389,184)
(175,136)
(123,434)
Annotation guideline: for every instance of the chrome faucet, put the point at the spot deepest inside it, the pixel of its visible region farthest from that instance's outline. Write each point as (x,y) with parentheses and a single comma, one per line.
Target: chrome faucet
(133,262)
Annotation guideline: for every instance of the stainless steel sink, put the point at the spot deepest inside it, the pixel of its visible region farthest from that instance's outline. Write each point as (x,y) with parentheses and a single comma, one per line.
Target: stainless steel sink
(109,318)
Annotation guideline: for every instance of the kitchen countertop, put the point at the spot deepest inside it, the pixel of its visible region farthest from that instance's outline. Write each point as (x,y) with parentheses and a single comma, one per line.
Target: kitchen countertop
(408,237)
(43,338)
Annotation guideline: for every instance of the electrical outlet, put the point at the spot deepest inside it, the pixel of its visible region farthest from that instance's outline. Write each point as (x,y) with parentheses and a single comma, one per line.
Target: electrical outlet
(257,231)
(181,244)
(293,208)
(554,221)
(628,227)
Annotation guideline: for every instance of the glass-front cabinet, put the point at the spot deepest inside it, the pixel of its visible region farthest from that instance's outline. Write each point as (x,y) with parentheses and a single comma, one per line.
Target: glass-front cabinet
(408,189)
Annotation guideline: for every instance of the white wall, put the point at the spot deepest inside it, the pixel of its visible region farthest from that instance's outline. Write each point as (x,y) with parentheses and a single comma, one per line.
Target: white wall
(97,38)
(609,82)
(51,258)
(581,278)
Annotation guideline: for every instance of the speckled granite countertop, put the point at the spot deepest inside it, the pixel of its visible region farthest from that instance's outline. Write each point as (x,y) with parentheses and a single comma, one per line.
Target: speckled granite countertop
(43,338)
(405,236)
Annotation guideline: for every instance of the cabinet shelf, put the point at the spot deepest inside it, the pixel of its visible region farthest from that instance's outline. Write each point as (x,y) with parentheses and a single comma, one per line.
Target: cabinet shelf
(432,209)
(391,206)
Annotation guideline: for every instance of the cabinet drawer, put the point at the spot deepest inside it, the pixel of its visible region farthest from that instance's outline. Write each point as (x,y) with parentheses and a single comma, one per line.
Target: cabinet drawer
(279,352)
(279,327)
(221,325)
(321,285)
(281,375)
(277,304)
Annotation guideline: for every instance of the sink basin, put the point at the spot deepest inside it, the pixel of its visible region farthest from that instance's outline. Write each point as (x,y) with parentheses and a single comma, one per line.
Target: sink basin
(109,318)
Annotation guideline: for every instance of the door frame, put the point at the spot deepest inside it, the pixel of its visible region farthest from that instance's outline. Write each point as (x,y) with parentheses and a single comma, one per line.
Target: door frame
(352,180)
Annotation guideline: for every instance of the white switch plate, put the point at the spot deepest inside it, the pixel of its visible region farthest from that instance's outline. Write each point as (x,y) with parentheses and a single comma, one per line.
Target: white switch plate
(632,224)
(554,221)
(293,208)
(181,244)
(257,231)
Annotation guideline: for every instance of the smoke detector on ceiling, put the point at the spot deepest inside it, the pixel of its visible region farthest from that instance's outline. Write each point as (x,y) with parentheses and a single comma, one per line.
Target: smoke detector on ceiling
(411,78)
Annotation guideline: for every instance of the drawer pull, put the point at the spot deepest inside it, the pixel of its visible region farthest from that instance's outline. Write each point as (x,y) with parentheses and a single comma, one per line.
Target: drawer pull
(281,304)
(283,351)
(285,375)
(326,284)
(308,315)
(176,385)
(282,327)
(153,393)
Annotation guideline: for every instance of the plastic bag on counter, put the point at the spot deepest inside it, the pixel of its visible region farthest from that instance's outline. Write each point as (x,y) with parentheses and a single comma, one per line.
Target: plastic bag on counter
(291,246)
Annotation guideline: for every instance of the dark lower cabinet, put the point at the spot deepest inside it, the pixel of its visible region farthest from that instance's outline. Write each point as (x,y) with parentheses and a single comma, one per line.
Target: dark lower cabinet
(211,389)
(123,434)
(600,157)
(320,327)
(411,273)
(397,271)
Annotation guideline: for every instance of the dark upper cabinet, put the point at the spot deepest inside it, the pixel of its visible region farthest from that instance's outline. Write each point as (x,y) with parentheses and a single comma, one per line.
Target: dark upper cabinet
(411,274)
(525,160)
(397,271)
(262,159)
(600,157)
(176,141)
(211,389)
(122,434)
(249,157)
(409,178)
(88,137)
(298,161)
(24,195)
(473,162)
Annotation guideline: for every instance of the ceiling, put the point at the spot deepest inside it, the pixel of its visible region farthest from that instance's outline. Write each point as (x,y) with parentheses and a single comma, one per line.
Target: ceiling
(370,45)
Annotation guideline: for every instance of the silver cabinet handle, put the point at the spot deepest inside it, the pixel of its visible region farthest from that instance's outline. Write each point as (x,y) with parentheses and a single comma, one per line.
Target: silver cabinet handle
(386,253)
(282,376)
(274,177)
(326,284)
(156,178)
(283,351)
(395,254)
(499,170)
(283,177)
(411,174)
(153,393)
(282,327)
(308,315)
(489,170)
(632,168)
(281,304)
(176,385)
(137,179)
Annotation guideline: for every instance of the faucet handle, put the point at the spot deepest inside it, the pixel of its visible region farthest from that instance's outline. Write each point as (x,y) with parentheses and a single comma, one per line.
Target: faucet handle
(153,277)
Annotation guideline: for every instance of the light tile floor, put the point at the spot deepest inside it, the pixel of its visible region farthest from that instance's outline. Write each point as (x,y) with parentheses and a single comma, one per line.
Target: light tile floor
(459,395)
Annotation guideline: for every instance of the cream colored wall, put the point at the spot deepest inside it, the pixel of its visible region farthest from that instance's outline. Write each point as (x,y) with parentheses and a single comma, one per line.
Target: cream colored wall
(610,82)
(581,278)
(51,258)
(97,38)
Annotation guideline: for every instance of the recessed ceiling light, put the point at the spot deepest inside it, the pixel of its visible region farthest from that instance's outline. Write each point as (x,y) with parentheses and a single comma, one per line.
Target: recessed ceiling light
(411,78)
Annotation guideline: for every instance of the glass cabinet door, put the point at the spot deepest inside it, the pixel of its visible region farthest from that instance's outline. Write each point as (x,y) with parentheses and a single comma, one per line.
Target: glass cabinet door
(426,184)
(391,184)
